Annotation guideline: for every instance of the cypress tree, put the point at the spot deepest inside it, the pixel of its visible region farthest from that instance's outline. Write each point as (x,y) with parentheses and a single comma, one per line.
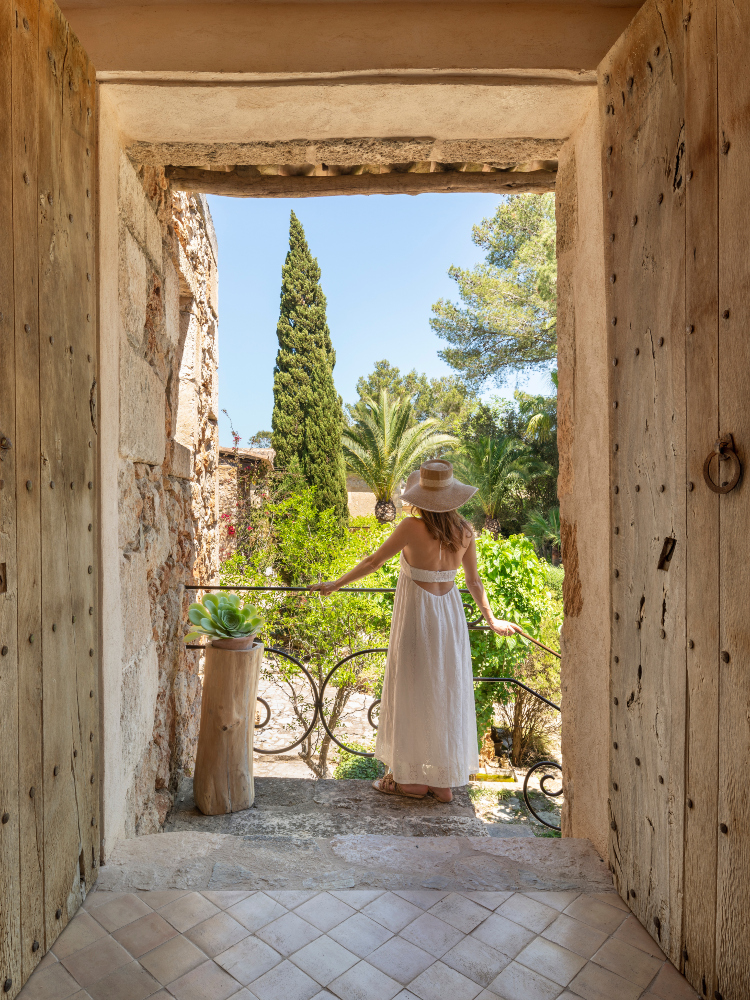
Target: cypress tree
(307,413)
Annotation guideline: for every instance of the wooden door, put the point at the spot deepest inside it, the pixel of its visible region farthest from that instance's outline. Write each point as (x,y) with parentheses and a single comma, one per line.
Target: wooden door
(49,774)
(675,112)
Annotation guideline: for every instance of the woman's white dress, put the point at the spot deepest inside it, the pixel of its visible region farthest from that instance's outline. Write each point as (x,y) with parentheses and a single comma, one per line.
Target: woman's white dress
(427,732)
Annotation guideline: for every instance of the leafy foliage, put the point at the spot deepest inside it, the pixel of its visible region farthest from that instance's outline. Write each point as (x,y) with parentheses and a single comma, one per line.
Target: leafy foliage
(223,616)
(447,400)
(383,448)
(500,469)
(352,766)
(544,530)
(506,321)
(307,415)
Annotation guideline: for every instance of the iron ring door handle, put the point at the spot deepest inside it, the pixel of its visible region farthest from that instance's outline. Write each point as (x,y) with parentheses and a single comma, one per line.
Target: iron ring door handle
(724,449)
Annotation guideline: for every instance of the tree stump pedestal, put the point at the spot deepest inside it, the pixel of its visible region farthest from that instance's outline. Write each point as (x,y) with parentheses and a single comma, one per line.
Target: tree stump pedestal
(223,781)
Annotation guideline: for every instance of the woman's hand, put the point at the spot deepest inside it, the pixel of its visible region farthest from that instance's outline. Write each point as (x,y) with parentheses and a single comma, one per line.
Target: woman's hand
(504,628)
(326,588)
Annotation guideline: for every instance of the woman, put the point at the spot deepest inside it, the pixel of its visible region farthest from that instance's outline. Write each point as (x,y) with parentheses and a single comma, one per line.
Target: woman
(427,732)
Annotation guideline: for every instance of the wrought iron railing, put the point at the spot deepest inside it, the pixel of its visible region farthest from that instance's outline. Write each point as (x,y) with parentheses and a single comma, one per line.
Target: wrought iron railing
(317,702)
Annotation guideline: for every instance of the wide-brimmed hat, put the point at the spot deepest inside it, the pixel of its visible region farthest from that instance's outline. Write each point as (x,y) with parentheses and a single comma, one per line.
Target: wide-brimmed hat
(434,487)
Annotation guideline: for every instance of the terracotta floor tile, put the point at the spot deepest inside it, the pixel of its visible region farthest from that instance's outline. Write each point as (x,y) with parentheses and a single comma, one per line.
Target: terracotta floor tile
(121,911)
(217,934)
(256,911)
(285,982)
(157,898)
(440,982)
(401,960)
(364,982)
(357,897)
(145,934)
(557,900)
(49,959)
(424,898)
(460,912)
(130,982)
(223,898)
(596,913)
(189,910)
(172,959)
(325,911)
(290,899)
(632,932)
(551,961)
(248,960)
(206,982)
(96,960)
(670,985)
(51,983)
(97,897)
(288,934)
(516,982)
(574,935)
(595,983)
(81,931)
(476,960)
(613,899)
(360,935)
(324,960)
(432,934)
(504,935)
(629,962)
(392,911)
(527,912)
(488,899)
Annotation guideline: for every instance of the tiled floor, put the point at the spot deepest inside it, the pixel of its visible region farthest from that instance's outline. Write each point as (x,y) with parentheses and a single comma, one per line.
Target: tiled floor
(354,945)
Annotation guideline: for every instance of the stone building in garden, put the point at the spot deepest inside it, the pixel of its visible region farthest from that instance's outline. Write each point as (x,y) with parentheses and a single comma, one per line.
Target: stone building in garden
(116,121)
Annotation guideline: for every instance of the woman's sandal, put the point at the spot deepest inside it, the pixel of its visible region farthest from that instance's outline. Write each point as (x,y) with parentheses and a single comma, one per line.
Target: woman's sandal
(389,786)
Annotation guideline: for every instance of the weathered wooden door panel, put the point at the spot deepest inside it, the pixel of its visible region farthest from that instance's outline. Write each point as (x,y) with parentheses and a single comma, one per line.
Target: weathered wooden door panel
(733,664)
(701,391)
(49,781)
(642,97)
(676,122)
(10,871)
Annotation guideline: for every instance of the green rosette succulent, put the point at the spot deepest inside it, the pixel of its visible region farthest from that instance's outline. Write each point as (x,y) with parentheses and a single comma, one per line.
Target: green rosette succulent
(221,616)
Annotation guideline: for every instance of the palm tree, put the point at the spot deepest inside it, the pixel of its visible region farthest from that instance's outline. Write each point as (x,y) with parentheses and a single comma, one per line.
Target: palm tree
(382,448)
(500,469)
(544,530)
(542,425)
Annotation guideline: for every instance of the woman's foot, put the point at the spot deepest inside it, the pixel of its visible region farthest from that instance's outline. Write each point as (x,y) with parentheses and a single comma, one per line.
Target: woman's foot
(441,794)
(389,786)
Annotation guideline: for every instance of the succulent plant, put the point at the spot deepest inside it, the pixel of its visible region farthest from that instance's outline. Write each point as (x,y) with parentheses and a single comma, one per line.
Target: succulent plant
(222,617)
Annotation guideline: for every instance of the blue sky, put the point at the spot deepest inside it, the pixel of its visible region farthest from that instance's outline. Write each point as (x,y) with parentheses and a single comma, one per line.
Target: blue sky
(384,261)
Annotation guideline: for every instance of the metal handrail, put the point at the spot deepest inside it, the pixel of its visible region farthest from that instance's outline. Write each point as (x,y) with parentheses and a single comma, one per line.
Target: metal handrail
(317,699)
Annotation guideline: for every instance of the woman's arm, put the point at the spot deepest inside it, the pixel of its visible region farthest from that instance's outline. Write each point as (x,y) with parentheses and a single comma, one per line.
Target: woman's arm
(398,539)
(476,589)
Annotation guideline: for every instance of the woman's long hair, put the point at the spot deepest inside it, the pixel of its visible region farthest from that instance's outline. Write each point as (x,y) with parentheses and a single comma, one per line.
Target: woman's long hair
(447,527)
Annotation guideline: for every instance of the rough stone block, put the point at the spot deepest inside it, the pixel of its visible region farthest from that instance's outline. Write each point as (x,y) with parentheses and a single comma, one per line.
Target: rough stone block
(182,461)
(153,237)
(132,287)
(213,288)
(171,301)
(137,629)
(140,684)
(132,199)
(142,434)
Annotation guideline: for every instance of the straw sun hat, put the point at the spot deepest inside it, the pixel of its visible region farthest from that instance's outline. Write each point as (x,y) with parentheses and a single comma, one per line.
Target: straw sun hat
(433,487)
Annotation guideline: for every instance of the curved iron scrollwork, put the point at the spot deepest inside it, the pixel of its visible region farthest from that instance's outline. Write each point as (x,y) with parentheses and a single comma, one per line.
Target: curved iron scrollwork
(373,705)
(543,765)
(315,703)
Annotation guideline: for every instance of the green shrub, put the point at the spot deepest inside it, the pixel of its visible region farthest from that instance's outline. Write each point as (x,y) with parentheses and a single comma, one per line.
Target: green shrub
(553,577)
(352,766)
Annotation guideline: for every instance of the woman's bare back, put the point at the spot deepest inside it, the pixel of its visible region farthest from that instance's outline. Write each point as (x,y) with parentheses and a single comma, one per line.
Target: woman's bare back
(422,551)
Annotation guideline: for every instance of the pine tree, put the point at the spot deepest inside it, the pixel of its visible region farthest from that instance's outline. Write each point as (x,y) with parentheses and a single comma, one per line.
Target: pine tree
(307,413)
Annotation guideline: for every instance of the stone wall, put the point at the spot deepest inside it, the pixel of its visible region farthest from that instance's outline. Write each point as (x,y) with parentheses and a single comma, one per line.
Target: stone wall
(167,477)
(583,484)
